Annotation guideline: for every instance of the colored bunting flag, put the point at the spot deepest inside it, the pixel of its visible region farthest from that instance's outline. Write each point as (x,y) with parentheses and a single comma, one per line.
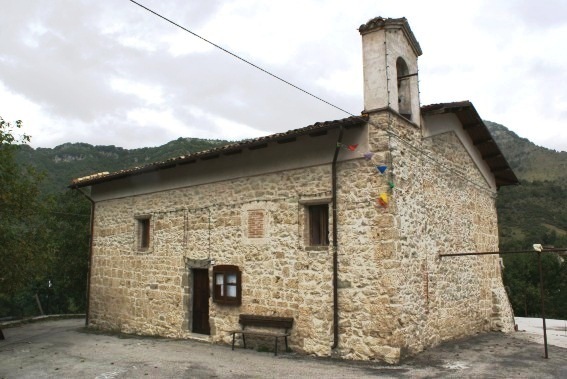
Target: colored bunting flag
(383,200)
(349,147)
(381,168)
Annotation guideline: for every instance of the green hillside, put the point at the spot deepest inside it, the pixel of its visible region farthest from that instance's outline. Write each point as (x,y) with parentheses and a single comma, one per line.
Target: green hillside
(536,210)
(533,212)
(529,161)
(73,160)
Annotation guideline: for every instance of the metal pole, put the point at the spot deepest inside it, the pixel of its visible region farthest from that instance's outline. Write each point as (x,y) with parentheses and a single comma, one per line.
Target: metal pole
(553,250)
(542,302)
(542,295)
(485,253)
(335,242)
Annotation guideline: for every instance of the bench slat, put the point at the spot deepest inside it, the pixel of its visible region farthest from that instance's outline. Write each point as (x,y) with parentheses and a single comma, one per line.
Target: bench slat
(269,321)
(263,321)
(261,333)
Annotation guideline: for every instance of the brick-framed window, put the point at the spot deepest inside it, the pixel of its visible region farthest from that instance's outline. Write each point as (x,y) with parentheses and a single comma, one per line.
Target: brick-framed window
(255,217)
(227,285)
(318,225)
(256,223)
(144,232)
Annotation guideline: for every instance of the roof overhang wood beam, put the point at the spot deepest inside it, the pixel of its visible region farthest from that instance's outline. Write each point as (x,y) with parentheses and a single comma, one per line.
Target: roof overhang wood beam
(209,157)
(287,140)
(483,141)
(501,169)
(493,155)
(260,146)
(471,125)
(318,133)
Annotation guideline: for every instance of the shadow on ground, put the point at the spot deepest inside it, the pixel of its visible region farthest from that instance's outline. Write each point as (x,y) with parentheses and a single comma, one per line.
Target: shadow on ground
(63,348)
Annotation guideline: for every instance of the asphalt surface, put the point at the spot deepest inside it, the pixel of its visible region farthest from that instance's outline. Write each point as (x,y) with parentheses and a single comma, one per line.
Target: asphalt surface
(65,349)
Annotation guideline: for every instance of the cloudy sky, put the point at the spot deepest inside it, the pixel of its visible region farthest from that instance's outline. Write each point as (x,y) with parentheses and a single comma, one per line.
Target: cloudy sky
(107,72)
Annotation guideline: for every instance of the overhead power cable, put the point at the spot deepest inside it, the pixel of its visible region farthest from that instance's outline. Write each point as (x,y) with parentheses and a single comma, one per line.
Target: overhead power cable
(240,58)
(388,131)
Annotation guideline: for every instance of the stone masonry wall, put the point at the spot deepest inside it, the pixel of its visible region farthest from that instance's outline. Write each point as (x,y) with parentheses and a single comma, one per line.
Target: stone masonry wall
(444,205)
(148,292)
(368,245)
(396,296)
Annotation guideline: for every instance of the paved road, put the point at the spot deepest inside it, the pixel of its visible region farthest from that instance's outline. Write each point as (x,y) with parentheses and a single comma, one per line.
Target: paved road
(63,349)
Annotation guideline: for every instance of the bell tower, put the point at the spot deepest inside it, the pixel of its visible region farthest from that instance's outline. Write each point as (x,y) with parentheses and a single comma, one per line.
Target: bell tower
(389,55)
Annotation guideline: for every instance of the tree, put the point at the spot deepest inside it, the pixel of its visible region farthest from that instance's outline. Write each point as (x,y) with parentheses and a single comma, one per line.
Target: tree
(22,236)
(43,238)
(521,277)
(68,262)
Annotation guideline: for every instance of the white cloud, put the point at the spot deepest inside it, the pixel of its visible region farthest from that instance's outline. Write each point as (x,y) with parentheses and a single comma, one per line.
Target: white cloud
(113,73)
(229,129)
(137,43)
(151,94)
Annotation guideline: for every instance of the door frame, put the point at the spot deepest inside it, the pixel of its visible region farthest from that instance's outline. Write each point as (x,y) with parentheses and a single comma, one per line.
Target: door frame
(205,272)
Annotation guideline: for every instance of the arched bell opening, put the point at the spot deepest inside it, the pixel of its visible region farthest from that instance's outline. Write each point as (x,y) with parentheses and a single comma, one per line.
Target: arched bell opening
(404,90)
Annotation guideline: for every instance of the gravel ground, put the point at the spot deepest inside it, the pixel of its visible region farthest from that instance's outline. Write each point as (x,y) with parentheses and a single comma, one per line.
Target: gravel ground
(532,329)
(64,349)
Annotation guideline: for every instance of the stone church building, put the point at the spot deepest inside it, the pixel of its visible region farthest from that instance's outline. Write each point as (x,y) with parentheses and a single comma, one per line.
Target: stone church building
(339,225)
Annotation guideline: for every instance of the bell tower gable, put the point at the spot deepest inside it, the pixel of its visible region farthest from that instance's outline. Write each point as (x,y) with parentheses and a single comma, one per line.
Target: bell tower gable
(390,51)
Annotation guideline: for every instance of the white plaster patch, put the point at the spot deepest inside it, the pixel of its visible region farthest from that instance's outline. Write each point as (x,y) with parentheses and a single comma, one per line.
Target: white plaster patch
(456,365)
(110,374)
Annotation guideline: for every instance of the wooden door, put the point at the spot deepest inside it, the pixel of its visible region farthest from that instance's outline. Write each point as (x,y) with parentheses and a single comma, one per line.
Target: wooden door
(201,301)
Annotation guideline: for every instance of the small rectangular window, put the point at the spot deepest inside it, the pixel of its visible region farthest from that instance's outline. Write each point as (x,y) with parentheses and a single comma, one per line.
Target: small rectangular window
(144,233)
(227,285)
(318,225)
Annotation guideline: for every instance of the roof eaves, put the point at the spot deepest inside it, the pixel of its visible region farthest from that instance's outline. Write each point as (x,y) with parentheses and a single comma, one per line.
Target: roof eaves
(217,151)
(480,136)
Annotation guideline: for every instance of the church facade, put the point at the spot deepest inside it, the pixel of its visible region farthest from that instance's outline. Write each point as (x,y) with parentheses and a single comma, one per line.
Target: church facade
(340,225)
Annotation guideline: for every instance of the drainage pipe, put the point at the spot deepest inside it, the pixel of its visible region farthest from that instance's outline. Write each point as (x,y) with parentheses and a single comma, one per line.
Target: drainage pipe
(90,263)
(335,242)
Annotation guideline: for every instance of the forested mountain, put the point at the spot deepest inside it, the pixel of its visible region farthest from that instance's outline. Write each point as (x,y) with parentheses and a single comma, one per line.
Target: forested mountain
(73,160)
(533,212)
(536,210)
(529,161)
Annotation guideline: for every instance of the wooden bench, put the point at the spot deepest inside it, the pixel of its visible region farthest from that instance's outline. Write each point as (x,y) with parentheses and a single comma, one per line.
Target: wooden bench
(283,323)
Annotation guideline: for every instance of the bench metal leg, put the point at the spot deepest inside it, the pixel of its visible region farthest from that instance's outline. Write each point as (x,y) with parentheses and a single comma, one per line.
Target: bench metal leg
(244,340)
(233,336)
(276,349)
(286,348)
